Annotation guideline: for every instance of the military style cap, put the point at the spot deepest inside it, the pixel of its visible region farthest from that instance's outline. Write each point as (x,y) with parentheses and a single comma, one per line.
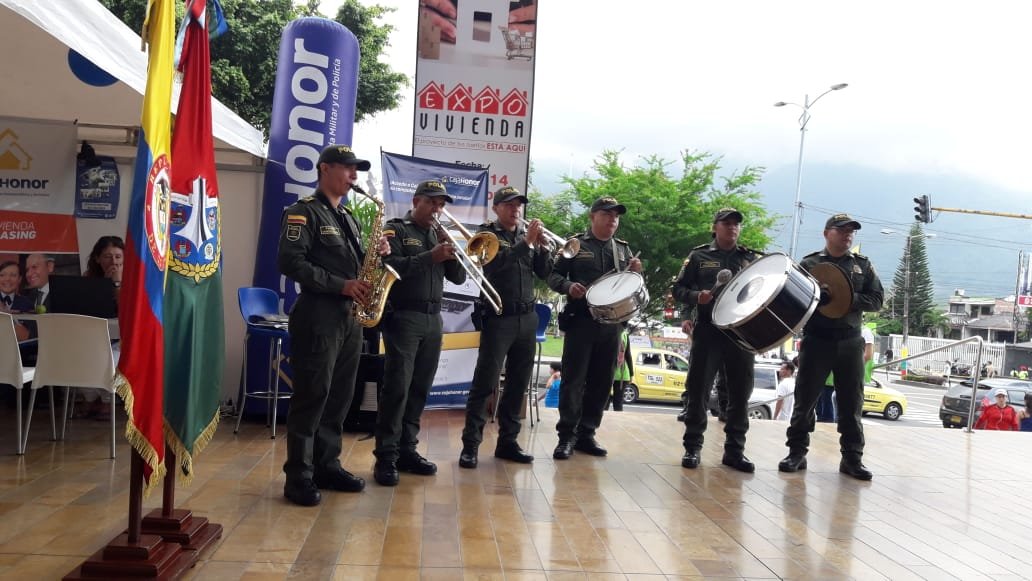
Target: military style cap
(507,194)
(608,203)
(433,189)
(839,220)
(343,155)
(726,214)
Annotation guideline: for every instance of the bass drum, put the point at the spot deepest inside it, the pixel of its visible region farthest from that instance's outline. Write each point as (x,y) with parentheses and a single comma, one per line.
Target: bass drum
(617,297)
(766,302)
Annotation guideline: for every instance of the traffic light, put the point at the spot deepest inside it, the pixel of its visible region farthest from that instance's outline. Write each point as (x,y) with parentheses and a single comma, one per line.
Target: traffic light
(923,209)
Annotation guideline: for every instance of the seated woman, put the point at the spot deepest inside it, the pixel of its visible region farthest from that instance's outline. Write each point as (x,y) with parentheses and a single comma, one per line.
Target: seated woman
(105,261)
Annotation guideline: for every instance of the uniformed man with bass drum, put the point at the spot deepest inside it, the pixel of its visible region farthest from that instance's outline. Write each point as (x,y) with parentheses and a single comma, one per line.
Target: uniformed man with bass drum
(712,351)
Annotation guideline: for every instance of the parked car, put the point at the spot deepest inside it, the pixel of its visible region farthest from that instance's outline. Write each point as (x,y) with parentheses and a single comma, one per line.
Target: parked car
(884,400)
(763,398)
(658,376)
(955,404)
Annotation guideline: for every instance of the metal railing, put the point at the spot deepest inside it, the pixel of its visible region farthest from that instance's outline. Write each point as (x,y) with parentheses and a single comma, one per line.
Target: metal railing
(976,370)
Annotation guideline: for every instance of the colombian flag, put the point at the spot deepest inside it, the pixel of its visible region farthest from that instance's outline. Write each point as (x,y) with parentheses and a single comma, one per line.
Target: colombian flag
(140,375)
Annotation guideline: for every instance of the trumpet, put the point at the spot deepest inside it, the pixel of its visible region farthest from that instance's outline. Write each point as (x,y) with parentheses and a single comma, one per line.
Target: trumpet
(473,270)
(568,248)
(481,247)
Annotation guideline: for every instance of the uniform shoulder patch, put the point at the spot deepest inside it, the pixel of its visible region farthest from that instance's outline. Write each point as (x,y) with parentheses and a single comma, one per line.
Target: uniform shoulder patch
(306,200)
(620,241)
(701,246)
(299,219)
(861,257)
(817,253)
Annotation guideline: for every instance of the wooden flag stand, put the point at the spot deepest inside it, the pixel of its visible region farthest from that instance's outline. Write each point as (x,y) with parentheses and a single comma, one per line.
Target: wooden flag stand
(133,555)
(162,546)
(179,525)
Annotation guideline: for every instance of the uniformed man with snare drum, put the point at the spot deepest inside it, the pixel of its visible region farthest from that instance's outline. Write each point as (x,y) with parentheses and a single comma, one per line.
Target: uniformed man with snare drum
(590,347)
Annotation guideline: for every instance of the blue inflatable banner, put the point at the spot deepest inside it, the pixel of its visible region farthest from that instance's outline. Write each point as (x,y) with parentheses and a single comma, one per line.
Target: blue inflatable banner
(313,106)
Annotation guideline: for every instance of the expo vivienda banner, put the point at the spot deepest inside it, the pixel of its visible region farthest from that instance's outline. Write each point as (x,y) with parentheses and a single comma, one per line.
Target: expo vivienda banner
(37,180)
(475,85)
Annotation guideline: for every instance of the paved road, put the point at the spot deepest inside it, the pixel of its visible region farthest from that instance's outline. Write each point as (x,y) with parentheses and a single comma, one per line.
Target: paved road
(922,404)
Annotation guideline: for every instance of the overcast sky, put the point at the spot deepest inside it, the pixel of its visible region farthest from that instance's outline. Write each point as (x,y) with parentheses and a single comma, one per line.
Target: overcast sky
(936,89)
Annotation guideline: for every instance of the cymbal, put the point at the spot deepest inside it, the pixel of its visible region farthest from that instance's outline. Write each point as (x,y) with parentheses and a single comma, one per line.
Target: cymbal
(840,289)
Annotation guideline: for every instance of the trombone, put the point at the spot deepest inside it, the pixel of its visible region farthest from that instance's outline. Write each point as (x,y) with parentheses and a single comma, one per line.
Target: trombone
(568,248)
(468,263)
(481,247)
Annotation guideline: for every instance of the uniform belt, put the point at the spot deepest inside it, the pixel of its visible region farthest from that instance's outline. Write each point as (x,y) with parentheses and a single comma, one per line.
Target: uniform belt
(428,307)
(832,334)
(513,309)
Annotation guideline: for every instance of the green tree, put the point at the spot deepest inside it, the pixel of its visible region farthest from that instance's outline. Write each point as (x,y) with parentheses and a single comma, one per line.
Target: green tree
(243,61)
(925,317)
(667,215)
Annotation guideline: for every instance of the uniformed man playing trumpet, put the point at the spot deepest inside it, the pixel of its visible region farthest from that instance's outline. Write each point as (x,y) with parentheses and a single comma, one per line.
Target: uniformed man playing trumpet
(509,336)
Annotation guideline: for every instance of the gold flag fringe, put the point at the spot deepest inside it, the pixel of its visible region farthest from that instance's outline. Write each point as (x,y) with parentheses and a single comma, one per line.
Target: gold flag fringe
(184,457)
(136,438)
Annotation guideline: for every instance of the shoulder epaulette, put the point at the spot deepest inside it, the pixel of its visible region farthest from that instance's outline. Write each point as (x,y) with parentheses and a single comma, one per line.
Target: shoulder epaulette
(488,224)
(396,220)
(306,200)
(685,263)
(348,210)
(620,241)
(861,256)
(747,249)
(817,253)
(701,246)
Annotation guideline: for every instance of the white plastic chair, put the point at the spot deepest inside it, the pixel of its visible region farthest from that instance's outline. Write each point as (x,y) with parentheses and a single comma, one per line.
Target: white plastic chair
(74,351)
(12,373)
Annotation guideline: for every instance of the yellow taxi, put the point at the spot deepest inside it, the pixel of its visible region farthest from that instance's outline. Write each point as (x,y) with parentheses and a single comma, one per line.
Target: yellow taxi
(659,375)
(882,399)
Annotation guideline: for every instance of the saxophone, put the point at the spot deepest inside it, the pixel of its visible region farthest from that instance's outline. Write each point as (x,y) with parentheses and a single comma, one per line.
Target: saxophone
(379,275)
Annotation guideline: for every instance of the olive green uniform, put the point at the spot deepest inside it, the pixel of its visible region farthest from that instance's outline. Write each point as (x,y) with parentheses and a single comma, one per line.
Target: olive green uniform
(411,334)
(590,347)
(712,350)
(835,345)
(509,336)
(320,249)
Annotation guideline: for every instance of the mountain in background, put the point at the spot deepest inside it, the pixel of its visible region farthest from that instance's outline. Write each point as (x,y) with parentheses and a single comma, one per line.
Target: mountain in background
(976,253)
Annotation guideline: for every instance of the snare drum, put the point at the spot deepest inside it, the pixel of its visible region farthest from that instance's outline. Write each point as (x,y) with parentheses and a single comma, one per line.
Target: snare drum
(766,302)
(617,297)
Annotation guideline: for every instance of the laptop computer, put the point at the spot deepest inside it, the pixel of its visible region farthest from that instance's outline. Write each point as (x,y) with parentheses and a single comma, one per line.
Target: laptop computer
(83,295)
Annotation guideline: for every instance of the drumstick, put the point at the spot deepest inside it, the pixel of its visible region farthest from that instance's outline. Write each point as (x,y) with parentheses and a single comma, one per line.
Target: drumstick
(629,261)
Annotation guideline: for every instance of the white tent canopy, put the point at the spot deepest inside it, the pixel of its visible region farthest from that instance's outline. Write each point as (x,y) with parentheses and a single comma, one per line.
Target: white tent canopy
(35,36)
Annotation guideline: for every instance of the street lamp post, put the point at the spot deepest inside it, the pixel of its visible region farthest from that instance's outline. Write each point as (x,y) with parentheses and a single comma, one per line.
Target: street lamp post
(804,119)
(906,278)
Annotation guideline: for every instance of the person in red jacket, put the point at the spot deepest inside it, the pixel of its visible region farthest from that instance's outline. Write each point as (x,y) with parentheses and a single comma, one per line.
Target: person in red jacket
(999,416)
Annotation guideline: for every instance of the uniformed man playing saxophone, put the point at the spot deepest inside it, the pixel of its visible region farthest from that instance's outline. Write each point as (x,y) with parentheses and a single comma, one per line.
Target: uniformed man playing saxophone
(320,248)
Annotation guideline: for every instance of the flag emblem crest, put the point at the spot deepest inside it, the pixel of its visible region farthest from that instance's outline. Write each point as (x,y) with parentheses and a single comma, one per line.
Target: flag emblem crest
(156,210)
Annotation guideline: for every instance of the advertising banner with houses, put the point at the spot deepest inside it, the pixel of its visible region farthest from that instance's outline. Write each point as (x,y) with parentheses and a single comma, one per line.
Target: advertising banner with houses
(37,185)
(474,86)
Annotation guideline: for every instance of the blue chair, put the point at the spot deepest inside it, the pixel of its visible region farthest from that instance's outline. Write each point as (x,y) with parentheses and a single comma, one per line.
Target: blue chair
(544,313)
(260,309)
